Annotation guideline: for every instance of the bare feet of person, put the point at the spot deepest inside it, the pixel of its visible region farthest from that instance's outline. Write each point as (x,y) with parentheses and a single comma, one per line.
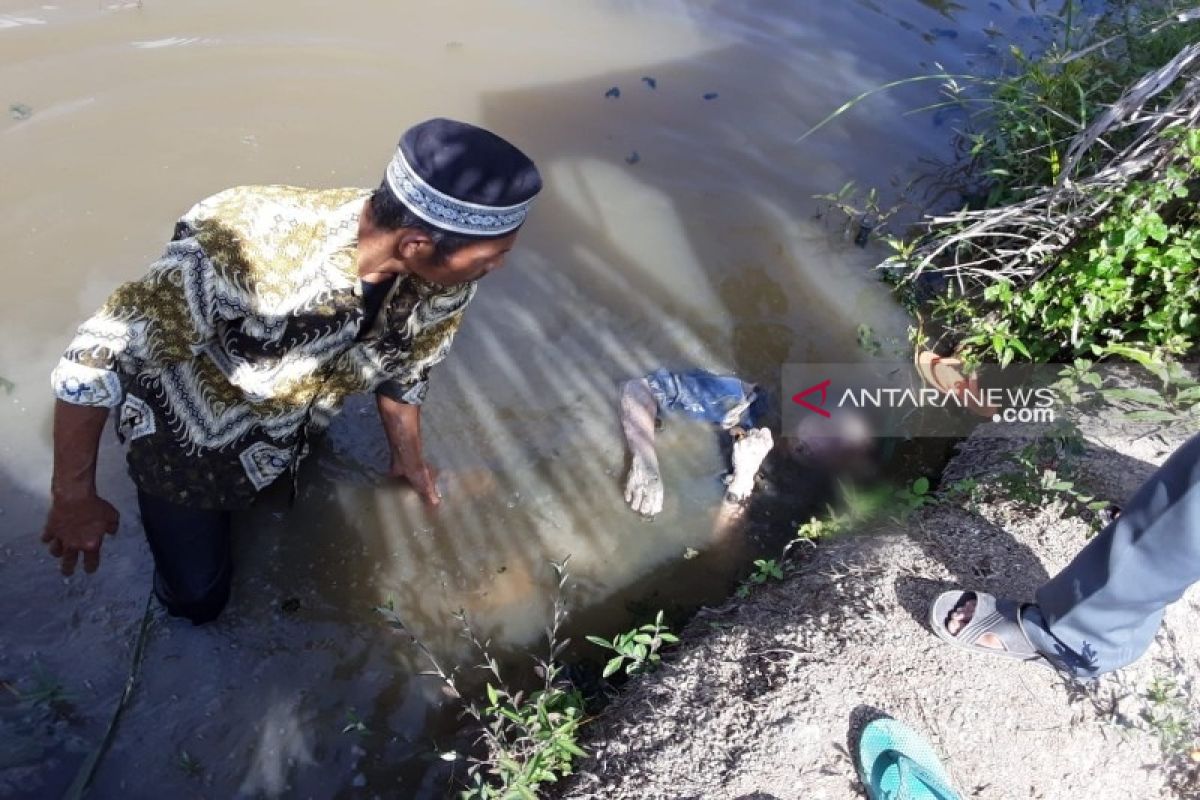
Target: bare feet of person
(749,451)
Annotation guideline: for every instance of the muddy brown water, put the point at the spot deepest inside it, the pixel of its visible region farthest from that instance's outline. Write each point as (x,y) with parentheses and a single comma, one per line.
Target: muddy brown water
(676,229)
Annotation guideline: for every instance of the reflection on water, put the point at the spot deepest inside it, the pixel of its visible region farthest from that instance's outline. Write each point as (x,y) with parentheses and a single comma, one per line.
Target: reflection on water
(700,251)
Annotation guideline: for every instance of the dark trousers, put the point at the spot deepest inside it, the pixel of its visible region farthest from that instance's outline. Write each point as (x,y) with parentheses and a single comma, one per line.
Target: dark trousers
(193,557)
(1103,611)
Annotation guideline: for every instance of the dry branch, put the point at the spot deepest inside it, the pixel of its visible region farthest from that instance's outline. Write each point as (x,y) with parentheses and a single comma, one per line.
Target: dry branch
(1021,241)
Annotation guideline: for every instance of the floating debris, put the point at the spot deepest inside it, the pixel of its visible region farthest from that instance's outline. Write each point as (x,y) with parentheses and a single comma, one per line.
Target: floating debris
(20,111)
(16,22)
(633,158)
(614,92)
(170,41)
(867,341)
(651,82)
(711,95)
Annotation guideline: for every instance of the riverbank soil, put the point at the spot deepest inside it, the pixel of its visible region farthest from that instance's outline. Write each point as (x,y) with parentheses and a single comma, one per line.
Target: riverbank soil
(762,699)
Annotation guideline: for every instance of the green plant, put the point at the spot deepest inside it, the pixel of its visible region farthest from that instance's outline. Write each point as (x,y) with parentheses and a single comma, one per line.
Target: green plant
(1080,227)
(1043,473)
(354,724)
(1168,715)
(45,690)
(530,739)
(765,569)
(857,506)
(862,212)
(1176,401)
(1129,281)
(190,766)
(818,528)
(913,497)
(538,735)
(636,650)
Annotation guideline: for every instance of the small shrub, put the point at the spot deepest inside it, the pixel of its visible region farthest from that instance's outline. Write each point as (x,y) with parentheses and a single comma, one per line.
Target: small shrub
(765,569)
(636,650)
(530,740)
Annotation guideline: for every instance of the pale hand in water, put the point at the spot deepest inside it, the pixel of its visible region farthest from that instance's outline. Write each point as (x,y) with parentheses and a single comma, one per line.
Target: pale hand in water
(643,488)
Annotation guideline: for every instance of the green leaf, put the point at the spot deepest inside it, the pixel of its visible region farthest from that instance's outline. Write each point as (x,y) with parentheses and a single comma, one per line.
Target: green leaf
(492,695)
(1157,230)
(1151,416)
(573,748)
(596,640)
(613,665)
(1189,395)
(1144,396)
(920,486)
(669,638)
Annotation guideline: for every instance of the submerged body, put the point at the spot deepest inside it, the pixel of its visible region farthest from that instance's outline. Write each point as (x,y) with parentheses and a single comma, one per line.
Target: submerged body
(723,400)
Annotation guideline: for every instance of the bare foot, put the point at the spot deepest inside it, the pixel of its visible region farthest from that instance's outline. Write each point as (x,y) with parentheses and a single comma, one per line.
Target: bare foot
(748,454)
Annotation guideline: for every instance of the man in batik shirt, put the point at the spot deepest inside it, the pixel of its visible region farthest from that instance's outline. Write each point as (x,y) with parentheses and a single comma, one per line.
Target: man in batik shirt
(269,307)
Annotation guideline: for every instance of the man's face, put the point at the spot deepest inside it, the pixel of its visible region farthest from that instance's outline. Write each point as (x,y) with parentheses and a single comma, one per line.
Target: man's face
(466,264)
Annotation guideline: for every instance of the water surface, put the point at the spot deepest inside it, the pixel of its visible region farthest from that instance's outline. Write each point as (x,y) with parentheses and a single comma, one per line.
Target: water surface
(677,228)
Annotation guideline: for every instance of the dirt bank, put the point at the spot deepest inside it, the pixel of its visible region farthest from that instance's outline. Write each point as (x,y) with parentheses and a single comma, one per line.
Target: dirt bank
(760,699)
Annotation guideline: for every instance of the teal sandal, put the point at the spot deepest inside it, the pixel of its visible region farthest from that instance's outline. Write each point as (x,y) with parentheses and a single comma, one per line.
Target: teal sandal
(897,763)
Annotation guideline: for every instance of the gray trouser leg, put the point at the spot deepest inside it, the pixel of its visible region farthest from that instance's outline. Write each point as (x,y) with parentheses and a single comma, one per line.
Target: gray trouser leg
(1103,610)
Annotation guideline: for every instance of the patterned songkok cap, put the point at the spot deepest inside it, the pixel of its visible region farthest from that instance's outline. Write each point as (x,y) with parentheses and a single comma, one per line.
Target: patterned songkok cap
(463,179)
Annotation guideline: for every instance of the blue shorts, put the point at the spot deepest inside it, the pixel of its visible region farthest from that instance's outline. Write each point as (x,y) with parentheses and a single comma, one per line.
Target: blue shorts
(703,396)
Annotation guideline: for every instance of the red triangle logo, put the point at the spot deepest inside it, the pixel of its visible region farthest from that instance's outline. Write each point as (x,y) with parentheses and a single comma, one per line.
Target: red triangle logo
(823,388)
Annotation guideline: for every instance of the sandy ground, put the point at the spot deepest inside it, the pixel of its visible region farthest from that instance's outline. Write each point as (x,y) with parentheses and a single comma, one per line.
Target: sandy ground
(761,699)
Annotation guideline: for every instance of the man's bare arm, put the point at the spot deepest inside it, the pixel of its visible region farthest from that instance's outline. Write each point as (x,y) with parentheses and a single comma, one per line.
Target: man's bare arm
(78,517)
(643,485)
(402,424)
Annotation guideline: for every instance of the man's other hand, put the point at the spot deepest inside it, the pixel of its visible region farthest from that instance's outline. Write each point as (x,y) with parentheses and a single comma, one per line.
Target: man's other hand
(422,477)
(76,526)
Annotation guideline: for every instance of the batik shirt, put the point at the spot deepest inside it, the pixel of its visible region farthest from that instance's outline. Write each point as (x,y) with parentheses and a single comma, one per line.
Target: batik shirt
(246,336)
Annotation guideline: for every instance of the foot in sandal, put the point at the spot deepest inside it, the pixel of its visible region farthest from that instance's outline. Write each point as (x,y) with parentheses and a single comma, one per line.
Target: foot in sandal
(983,623)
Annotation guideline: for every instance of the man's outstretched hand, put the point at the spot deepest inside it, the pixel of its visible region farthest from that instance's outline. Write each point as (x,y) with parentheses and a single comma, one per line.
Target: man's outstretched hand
(422,477)
(77,526)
